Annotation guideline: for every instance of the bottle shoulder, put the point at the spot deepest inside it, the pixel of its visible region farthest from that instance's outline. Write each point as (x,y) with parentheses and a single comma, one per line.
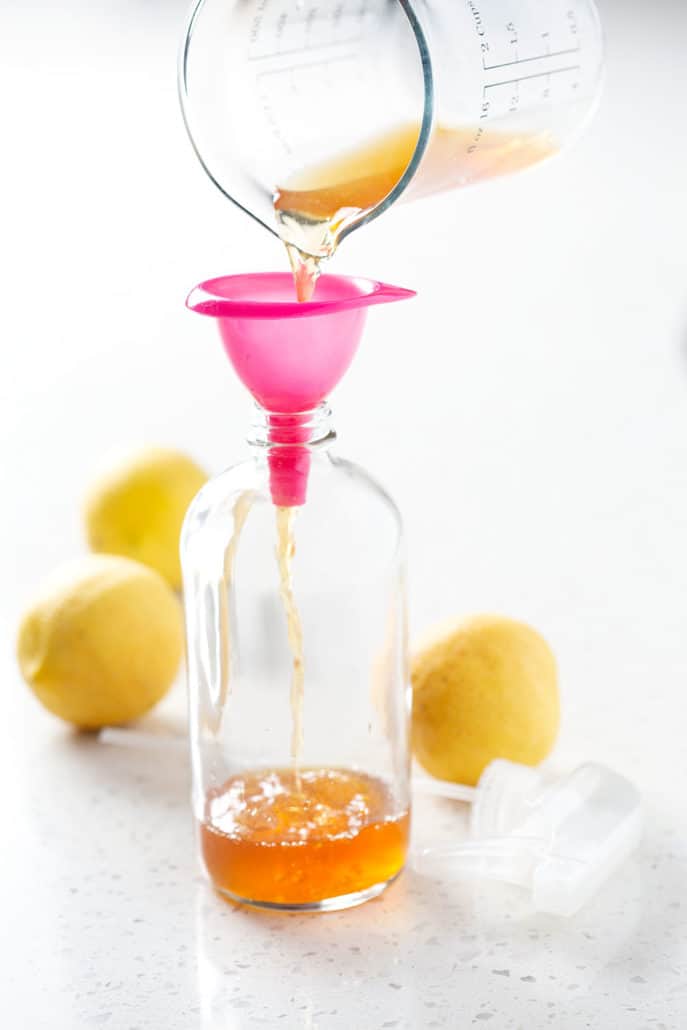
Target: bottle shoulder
(366,483)
(226,486)
(340,494)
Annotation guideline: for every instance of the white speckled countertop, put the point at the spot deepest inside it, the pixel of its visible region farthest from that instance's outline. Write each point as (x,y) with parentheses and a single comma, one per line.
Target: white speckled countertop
(115,928)
(541,469)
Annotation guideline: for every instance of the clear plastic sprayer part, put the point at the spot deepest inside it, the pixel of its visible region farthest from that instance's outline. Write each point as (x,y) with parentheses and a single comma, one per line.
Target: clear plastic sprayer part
(325,111)
(562,839)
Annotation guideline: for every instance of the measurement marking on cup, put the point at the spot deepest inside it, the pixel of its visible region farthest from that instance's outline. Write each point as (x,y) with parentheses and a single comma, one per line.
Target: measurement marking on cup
(308,49)
(526,60)
(305,64)
(539,75)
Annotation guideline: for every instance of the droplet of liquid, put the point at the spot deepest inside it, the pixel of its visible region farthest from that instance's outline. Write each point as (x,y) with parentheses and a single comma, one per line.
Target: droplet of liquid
(306,272)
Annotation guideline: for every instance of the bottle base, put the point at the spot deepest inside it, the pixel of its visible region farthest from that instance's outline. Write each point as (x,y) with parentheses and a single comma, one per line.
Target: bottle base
(335,904)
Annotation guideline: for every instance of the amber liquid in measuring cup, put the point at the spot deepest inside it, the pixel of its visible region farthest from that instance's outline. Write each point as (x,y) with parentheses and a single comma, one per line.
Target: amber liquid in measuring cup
(321,199)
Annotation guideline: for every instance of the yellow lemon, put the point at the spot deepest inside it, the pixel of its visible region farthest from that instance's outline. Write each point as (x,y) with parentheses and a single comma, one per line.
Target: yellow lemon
(102,641)
(485,688)
(137,507)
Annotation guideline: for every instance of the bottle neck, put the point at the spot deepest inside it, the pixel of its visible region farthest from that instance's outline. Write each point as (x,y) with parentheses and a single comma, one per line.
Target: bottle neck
(301,429)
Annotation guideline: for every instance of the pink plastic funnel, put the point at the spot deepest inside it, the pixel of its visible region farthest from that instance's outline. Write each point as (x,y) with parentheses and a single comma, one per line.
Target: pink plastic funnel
(289,355)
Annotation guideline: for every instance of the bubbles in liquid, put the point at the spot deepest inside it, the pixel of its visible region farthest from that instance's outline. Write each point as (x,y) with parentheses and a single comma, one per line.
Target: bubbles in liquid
(278,837)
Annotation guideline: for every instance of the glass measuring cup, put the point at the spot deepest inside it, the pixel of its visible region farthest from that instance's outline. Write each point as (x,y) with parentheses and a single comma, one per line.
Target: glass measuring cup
(323,112)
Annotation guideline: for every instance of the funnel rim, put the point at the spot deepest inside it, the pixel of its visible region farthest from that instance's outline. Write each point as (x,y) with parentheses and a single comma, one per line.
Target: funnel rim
(208,299)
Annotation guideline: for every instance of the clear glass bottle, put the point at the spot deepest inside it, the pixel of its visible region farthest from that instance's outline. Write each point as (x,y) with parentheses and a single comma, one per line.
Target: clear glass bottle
(300,788)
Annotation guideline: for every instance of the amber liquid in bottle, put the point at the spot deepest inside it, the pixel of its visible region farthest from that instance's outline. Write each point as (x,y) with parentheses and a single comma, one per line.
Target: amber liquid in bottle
(271,839)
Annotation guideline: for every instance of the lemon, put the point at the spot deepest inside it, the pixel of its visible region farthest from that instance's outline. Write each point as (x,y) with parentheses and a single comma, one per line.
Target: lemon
(485,688)
(136,508)
(102,641)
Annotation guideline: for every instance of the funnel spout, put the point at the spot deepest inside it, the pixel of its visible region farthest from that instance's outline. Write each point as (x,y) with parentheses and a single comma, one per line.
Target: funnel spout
(289,439)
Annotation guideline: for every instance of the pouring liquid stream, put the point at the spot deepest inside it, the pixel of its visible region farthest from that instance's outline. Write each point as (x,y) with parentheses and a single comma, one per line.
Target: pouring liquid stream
(286,549)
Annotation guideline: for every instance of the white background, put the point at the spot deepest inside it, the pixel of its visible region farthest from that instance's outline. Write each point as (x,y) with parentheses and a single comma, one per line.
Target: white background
(529,413)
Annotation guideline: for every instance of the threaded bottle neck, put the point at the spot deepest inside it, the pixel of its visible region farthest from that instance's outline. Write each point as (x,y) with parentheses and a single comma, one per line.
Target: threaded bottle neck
(287,429)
